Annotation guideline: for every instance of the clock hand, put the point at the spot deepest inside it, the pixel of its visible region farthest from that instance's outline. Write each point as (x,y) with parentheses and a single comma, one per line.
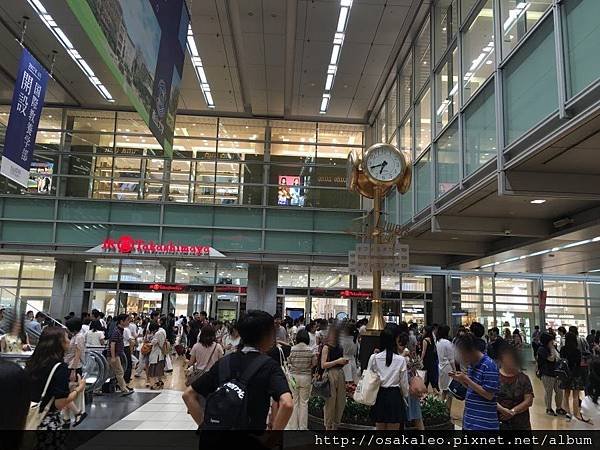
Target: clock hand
(383,164)
(377,165)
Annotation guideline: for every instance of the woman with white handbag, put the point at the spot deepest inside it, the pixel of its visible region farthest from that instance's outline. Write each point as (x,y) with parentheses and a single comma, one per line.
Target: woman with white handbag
(389,411)
(49,376)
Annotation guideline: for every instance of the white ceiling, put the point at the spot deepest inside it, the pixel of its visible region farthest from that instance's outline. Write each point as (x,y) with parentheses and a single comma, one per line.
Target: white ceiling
(250,52)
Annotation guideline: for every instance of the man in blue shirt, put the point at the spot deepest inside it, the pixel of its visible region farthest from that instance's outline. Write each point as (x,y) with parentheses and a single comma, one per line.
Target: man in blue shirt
(482,383)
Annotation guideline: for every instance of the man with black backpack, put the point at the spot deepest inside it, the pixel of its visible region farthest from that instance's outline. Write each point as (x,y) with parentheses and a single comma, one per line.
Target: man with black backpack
(239,388)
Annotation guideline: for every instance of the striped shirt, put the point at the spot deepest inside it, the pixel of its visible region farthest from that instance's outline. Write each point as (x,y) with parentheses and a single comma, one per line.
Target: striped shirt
(481,414)
(300,359)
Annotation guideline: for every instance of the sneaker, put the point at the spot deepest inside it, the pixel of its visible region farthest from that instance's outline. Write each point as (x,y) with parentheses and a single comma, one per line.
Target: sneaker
(561,412)
(129,392)
(550,412)
(79,418)
(568,417)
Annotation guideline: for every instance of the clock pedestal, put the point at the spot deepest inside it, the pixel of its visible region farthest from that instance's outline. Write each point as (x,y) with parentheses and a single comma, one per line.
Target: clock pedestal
(376,322)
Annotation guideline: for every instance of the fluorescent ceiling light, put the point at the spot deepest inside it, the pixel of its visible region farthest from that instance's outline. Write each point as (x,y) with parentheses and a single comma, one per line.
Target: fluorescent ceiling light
(543,252)
(338,42)
(537,202)
(199,68)
(68,46)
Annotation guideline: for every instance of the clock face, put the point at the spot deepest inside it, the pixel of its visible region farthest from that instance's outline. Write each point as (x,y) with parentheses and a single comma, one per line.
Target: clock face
(384,163)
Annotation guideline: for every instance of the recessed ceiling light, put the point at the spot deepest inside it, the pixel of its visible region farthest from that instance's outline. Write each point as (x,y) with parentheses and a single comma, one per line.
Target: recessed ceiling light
(537,202)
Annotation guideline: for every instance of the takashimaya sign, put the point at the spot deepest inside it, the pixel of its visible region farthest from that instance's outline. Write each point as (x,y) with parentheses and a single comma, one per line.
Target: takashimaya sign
(131,246)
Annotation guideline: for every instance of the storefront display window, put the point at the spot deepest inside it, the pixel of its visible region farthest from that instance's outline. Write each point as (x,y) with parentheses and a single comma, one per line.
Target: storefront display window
(292,276)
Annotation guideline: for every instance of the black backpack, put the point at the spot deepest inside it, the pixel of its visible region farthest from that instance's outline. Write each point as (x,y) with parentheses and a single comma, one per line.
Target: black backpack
(226,407)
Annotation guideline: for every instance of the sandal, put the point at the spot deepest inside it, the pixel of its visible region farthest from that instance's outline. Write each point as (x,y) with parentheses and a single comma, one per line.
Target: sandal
(79,418)
(580,417)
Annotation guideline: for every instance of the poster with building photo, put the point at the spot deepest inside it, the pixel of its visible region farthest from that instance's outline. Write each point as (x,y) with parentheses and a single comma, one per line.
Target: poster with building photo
(143,42)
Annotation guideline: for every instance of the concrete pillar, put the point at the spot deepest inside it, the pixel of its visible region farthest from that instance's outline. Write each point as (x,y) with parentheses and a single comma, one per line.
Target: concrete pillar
(262,288)
(440,300)
(67,288)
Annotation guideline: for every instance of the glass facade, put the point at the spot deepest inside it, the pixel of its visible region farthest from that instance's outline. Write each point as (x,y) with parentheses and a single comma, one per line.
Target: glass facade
(468,95)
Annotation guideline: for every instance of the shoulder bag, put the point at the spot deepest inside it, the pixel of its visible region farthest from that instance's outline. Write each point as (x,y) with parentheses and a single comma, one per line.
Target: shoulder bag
(286,370)
(368,386)
(194,373)
(36,414)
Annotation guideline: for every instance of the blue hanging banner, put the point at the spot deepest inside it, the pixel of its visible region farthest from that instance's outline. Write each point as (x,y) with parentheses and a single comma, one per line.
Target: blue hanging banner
(25,112)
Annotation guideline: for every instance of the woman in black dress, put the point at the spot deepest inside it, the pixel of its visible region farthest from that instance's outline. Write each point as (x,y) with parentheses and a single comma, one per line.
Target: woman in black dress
(429,357)
(575,382)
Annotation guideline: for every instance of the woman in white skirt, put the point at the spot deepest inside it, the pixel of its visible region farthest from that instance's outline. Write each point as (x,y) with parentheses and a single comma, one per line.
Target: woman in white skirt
(446,362)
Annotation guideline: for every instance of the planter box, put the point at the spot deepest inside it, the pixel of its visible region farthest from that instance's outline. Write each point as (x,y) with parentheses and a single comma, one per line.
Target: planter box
(316,423)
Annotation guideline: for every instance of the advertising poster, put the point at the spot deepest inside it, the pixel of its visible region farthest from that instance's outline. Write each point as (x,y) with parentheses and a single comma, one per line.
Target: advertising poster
(143,42)
(40,177)
(290,191)
(25,112)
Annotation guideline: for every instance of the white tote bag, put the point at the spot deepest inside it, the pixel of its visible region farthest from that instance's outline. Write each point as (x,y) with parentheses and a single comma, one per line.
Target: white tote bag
(368,387)
(36,414)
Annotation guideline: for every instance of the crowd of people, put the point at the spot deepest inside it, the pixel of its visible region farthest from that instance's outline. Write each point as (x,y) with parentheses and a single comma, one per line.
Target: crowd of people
(279,363)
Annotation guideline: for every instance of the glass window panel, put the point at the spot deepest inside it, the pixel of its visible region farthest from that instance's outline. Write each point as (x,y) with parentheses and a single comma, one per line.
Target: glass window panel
(50,119)
(446,101)
(38,268)
(4,115)
(557,316)
(48,140)
(392,111)
(86,142)
(465,7)
(302,152)
(564,288)
(9,267)
(518,17)
(131,122)
(331,155)
(251,129)
(330,133)
(405,86)
(422,57)
(142,271)
(329,277)
(232,273)
(292,276)
(137,142)
(582,37)
(236,149)
(448,148)
(195,273)
(284,131)
(480,130)
(515,287)
(423,123)
(380,126)
(423,181)
(194,148)
(405,136)
(530,86)
(93,121)
(406,206)
(446,25)
(195,126)
(478,51)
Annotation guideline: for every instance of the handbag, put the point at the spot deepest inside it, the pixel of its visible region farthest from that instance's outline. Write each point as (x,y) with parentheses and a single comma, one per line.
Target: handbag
(194,373)
(416,386)
(146,348)
(286,370)
(36,414)
(458,391)
(321,386)
(368,387)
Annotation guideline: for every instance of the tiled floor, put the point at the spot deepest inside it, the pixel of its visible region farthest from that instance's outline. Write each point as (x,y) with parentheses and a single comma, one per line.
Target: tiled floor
(164,412)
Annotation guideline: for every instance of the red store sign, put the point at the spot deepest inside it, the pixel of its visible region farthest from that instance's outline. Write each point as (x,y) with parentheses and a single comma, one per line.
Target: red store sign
(129,245)
(356,294)
(167,287)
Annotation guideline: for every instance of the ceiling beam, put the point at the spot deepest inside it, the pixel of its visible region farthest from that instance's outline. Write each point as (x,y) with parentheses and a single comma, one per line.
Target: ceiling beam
(550,185)
(291,7)
(235,24)
(491,226)
(442,247)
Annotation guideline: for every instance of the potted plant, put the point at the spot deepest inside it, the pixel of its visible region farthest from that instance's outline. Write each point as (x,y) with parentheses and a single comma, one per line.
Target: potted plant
(435,414)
